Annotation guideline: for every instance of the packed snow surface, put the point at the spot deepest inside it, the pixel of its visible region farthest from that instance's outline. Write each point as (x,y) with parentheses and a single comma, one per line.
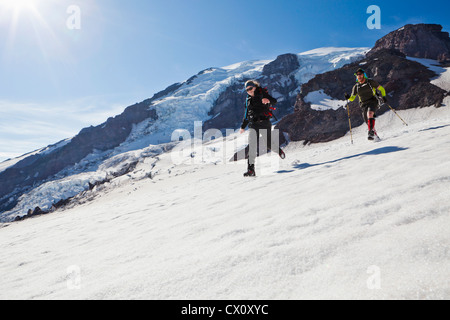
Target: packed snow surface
(333,220)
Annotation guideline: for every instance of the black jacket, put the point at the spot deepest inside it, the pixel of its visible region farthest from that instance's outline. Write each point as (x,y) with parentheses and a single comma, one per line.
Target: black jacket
(255,110)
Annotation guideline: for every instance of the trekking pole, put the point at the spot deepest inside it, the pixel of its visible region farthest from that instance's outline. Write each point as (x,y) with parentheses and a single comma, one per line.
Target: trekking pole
(276,119)
(349,122)
(397,114)
(272,112)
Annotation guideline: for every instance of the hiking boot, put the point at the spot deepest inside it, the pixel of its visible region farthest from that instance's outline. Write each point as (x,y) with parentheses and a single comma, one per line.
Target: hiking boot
(250,171)
(371,135)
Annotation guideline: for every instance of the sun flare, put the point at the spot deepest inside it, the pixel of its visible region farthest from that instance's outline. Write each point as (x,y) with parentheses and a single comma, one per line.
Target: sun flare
(18,4)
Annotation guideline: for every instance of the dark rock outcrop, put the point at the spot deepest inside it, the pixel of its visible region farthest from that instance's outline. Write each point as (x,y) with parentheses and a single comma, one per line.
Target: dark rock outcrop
(420,41)
(283,65)
(279,76)
(31,214)
(407,83)
(228,110)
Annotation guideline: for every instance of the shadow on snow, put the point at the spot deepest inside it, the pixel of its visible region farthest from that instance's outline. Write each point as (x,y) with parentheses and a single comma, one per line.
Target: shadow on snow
(435,128)
(378,151)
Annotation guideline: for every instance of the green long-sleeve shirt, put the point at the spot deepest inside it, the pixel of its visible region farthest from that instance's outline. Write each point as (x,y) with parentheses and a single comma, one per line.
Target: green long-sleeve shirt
(366,90)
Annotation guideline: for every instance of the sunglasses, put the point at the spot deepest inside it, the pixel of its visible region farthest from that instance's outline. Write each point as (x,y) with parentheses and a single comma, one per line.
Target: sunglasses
(359,74)
(250,89)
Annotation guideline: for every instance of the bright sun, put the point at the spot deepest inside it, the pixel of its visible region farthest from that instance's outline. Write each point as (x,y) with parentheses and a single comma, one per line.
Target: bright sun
(18,4)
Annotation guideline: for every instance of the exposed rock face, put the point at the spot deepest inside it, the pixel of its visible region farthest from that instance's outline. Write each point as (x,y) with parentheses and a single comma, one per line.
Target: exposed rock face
(406,82)
(313,126)
(284,65)
(279,77)
(420,41)
(228,111)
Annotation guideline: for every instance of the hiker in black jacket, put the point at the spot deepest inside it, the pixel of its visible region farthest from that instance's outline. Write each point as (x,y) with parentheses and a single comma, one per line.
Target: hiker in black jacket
(257,116)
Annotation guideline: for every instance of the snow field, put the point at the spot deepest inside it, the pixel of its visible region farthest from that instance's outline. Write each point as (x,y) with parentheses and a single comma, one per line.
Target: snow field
(362,221)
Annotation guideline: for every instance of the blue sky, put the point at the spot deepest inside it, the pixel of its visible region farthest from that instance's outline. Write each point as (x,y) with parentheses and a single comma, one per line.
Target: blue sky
(54,81)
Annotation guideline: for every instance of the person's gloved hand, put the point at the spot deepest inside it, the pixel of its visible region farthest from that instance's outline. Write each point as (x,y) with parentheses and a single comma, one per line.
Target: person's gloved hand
(347,96)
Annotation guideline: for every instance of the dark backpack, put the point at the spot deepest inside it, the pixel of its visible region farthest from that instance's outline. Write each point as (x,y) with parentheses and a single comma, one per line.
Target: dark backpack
(270,108)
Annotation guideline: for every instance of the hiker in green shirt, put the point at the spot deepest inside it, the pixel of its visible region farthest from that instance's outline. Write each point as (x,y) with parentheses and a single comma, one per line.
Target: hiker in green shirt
(366,90)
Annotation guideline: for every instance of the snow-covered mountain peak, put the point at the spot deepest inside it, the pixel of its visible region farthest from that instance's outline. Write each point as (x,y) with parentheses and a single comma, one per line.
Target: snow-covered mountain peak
(322,60)
(324,51)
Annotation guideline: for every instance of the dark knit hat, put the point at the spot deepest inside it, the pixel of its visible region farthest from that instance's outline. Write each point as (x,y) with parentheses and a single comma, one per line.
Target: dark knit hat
(250,84)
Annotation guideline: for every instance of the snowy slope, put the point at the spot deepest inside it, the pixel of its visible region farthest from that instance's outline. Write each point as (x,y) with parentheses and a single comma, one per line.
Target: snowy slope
(179,110)
(333,220)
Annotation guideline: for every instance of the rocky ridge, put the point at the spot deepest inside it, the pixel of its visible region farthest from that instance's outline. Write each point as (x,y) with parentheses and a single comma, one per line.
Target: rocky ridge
(407,83)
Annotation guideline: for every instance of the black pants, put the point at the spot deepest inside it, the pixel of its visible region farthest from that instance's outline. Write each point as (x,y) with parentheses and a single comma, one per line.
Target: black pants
(370,105)
(260,139)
